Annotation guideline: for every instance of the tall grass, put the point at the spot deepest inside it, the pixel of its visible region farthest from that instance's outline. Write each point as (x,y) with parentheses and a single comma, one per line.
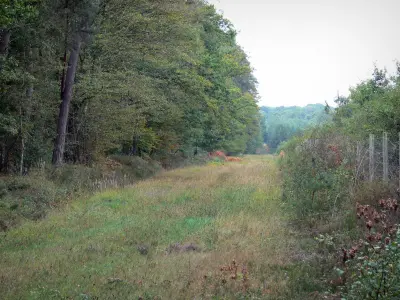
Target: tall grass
(174,236)
(30,197)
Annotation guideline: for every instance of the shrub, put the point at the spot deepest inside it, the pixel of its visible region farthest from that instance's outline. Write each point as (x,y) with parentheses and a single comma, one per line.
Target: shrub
(377,273)
(27,197)
(74,178)
(317,180)
(3,188)
(135,167)
(373,265)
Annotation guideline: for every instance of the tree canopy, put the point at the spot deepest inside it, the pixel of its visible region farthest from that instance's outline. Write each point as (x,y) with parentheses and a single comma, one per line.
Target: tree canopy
(84,79)
(371,107)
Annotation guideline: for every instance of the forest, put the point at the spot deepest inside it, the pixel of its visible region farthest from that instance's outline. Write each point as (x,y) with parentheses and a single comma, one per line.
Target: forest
(83,80)
(282,123)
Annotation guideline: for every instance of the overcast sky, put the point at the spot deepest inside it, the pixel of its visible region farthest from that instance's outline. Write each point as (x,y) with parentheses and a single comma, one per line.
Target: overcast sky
(305,51)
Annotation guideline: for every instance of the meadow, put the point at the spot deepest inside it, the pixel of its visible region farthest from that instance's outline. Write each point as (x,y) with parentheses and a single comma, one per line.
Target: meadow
(217,231)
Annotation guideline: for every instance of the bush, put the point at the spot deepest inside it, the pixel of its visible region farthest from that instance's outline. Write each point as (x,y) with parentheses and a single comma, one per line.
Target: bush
(74,178)
(377,273)
(318,191)
(373,265)
(135,167)
(317,178)
(27,198)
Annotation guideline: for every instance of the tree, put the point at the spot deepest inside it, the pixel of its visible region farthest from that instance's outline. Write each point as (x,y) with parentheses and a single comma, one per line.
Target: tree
(83,14)
(134,77)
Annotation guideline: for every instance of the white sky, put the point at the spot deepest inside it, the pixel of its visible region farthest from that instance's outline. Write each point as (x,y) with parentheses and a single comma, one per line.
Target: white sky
(305,51)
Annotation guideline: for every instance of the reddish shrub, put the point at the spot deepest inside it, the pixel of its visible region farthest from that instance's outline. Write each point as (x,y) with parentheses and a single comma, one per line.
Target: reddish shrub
(218,154)
(233,158)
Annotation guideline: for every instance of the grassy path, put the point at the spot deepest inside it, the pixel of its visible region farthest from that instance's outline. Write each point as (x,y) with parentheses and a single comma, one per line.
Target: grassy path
(123,244)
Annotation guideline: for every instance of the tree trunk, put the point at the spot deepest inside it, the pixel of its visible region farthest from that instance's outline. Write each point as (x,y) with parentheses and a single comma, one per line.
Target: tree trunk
(21,163)
(135,142)
(3,157)
(65,50)
(66,96)
(5,35)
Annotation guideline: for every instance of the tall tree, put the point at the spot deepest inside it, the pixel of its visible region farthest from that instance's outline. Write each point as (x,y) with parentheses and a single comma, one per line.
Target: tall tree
(78,27)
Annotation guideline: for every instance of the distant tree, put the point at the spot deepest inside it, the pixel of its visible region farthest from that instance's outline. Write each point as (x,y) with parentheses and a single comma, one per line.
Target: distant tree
(282,123)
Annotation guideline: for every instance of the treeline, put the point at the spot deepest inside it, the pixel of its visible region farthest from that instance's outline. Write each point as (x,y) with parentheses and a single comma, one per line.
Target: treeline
(282,123)
(349,213)
(372,107)
(81,80)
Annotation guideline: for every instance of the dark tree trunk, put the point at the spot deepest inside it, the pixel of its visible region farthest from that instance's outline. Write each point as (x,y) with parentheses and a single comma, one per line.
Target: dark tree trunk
(135,146)
(64,60)
(66,96)
(21,162)
(5,35)
(3,158)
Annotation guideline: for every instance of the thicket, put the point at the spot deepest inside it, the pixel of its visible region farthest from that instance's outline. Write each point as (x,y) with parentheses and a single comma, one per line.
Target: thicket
(325,193)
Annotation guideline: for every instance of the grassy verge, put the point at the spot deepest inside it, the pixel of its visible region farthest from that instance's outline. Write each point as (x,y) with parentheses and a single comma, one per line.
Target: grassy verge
(31,196)
(174,236)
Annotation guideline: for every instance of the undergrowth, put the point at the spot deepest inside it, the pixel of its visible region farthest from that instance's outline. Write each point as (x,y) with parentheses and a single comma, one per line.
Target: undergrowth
(31,196)
(321,192)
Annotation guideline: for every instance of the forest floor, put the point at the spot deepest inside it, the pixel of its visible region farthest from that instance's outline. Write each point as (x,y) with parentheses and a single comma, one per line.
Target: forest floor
(210,232)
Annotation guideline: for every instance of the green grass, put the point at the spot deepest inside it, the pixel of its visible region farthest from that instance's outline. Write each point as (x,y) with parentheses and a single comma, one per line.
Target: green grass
(89,248)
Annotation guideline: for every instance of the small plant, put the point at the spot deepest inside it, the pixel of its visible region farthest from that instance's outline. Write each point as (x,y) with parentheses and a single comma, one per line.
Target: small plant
(325,240)
(372,265)
(234,272)
(233,276)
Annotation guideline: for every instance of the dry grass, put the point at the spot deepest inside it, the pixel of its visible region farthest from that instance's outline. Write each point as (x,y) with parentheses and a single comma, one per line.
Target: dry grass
(89,249)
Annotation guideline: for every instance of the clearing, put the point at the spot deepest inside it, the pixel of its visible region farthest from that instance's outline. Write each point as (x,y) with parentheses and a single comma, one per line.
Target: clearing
(174,236)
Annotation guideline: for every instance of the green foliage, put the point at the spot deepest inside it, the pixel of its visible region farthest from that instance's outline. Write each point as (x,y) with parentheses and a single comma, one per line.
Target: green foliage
(376,273)
(373,265)
(372,107)
(281,123)
(321,190)
(153,79)
(136,167)
(27,198)
(316,182)
(13,12)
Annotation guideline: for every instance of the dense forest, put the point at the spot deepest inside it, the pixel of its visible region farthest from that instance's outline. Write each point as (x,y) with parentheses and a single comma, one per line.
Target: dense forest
(81,80)
(281,123)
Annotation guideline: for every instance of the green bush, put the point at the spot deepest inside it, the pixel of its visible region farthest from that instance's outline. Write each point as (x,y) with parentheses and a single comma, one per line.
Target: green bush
(372,268)
(74,178)
(317,192)
(135,167)
(316,182)
(376,272)
(3,188)
(27,198)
